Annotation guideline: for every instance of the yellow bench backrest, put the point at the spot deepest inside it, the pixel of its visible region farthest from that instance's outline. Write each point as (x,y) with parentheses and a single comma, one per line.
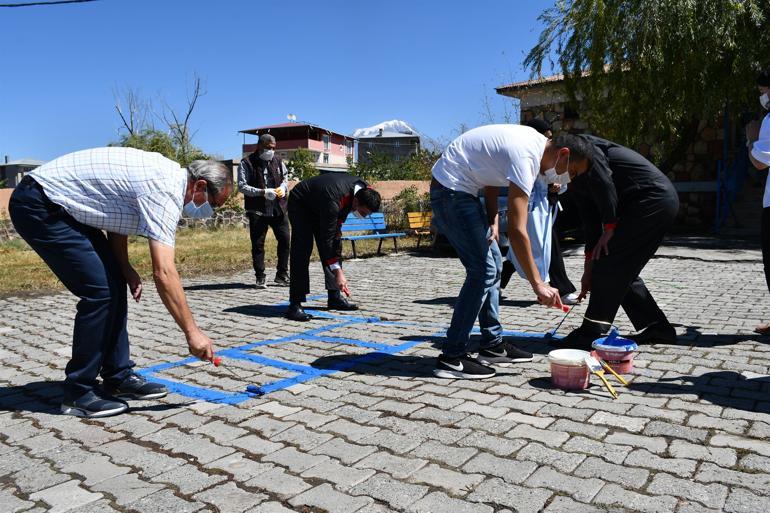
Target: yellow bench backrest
(419,219)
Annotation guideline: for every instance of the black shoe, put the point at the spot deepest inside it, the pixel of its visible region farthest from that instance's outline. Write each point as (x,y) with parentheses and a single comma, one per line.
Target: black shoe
(136,387)
(261,283)
(658,333)
(578,339)
(461,367)
(337,302)
(281,281)
(503,355)
(296,313)
(92,406)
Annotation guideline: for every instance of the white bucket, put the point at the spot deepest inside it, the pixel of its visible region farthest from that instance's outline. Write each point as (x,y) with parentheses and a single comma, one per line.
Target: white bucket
(568,368)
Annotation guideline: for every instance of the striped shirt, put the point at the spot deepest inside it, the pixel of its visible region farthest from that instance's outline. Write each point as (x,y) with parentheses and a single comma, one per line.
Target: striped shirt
(119,190)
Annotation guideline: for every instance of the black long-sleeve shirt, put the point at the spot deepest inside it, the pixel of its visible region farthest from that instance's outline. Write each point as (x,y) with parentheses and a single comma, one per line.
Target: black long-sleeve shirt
(328,198)
(617,178)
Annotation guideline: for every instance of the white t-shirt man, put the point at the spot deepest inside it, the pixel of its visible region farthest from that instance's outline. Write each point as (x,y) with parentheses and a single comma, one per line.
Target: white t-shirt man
(491,156)
(761,152)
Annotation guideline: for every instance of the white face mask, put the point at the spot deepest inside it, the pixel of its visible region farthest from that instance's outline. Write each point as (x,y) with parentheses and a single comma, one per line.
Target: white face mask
(201,211)
(267,155)
(551,176)
(764,100)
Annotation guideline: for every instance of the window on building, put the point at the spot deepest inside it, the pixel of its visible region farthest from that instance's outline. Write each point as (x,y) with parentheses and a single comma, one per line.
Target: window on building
(326,142)
(326,158)
(350,147)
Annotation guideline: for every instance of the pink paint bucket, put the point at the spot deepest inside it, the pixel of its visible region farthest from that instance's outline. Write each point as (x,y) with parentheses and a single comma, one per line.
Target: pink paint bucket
(568,369)
(619,353)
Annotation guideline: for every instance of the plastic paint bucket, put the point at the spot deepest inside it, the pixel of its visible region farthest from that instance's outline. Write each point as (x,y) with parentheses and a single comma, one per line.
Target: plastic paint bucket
(568,369)
(619,355)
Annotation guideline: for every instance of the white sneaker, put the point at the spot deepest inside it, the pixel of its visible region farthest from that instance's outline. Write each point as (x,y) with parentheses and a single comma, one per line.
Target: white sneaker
(569,299)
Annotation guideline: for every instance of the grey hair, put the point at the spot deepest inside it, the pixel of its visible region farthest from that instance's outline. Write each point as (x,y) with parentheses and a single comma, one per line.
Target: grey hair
(218,177)
(266,139)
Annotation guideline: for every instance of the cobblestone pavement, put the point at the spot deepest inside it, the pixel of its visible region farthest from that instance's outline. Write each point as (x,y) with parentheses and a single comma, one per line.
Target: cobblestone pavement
(352,420)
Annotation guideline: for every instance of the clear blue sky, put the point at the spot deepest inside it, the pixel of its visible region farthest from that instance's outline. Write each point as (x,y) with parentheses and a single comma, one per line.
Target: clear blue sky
(340,64)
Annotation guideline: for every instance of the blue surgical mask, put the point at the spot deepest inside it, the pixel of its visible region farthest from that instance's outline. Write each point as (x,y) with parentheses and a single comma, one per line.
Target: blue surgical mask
(357,214)
(202,211)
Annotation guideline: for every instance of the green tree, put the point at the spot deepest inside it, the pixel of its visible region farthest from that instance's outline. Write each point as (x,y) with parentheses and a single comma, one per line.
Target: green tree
(420,164)
(302,164)
(649,70)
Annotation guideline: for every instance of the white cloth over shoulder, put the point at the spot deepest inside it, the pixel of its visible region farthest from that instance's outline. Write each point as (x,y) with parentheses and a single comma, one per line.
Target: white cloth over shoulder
(119,190)
(540,219)
(761,152)
(491,156)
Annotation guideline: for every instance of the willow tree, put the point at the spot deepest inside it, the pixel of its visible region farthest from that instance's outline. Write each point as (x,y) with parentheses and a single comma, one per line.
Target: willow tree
(649,70)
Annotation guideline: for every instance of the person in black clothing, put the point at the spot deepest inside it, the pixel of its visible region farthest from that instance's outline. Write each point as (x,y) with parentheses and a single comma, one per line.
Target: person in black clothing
(317,208)
(626,205)
(262,178)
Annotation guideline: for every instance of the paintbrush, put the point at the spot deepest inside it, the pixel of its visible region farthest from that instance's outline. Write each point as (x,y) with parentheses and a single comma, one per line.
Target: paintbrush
(596,368)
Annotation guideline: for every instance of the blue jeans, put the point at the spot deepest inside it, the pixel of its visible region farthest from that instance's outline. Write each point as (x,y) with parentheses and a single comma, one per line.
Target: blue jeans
(82,259)
(460,217)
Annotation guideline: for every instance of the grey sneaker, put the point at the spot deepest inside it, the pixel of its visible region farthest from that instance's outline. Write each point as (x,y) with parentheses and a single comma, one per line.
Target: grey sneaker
(136,387)
(281,281)
(91,406)
(261,283)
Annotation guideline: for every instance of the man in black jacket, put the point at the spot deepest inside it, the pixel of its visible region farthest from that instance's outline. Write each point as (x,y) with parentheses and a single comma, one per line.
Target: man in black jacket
(262,180)
(317,208)
(627,205)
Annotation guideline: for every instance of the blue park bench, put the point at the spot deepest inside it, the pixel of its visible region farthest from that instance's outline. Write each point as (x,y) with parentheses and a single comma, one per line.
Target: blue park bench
(372,227)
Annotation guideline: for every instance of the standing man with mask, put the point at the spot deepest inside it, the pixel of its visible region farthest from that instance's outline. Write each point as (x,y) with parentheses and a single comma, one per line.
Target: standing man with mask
(262,178)
(758,140)
(489,157)
(76,212)
(626,205)
(317,208)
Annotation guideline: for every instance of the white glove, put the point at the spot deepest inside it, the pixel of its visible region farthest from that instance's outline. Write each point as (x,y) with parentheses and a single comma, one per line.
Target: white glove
(270,194)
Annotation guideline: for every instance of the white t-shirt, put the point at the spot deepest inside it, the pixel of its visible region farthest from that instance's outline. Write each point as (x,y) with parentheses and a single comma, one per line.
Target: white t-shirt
(491,156)
(120,190)
(761,152)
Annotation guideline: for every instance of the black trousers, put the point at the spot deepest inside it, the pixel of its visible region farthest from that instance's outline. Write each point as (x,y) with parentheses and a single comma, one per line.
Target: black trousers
(615,281)
(257,231)
(82,259)
(766,243)
(557,274)
(305,227)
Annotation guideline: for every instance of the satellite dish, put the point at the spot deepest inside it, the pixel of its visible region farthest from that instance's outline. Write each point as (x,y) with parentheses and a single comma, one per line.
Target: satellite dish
(291,117)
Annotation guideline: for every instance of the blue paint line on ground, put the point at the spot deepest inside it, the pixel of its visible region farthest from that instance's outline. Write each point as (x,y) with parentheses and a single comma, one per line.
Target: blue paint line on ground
(306,373)
(205,394)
